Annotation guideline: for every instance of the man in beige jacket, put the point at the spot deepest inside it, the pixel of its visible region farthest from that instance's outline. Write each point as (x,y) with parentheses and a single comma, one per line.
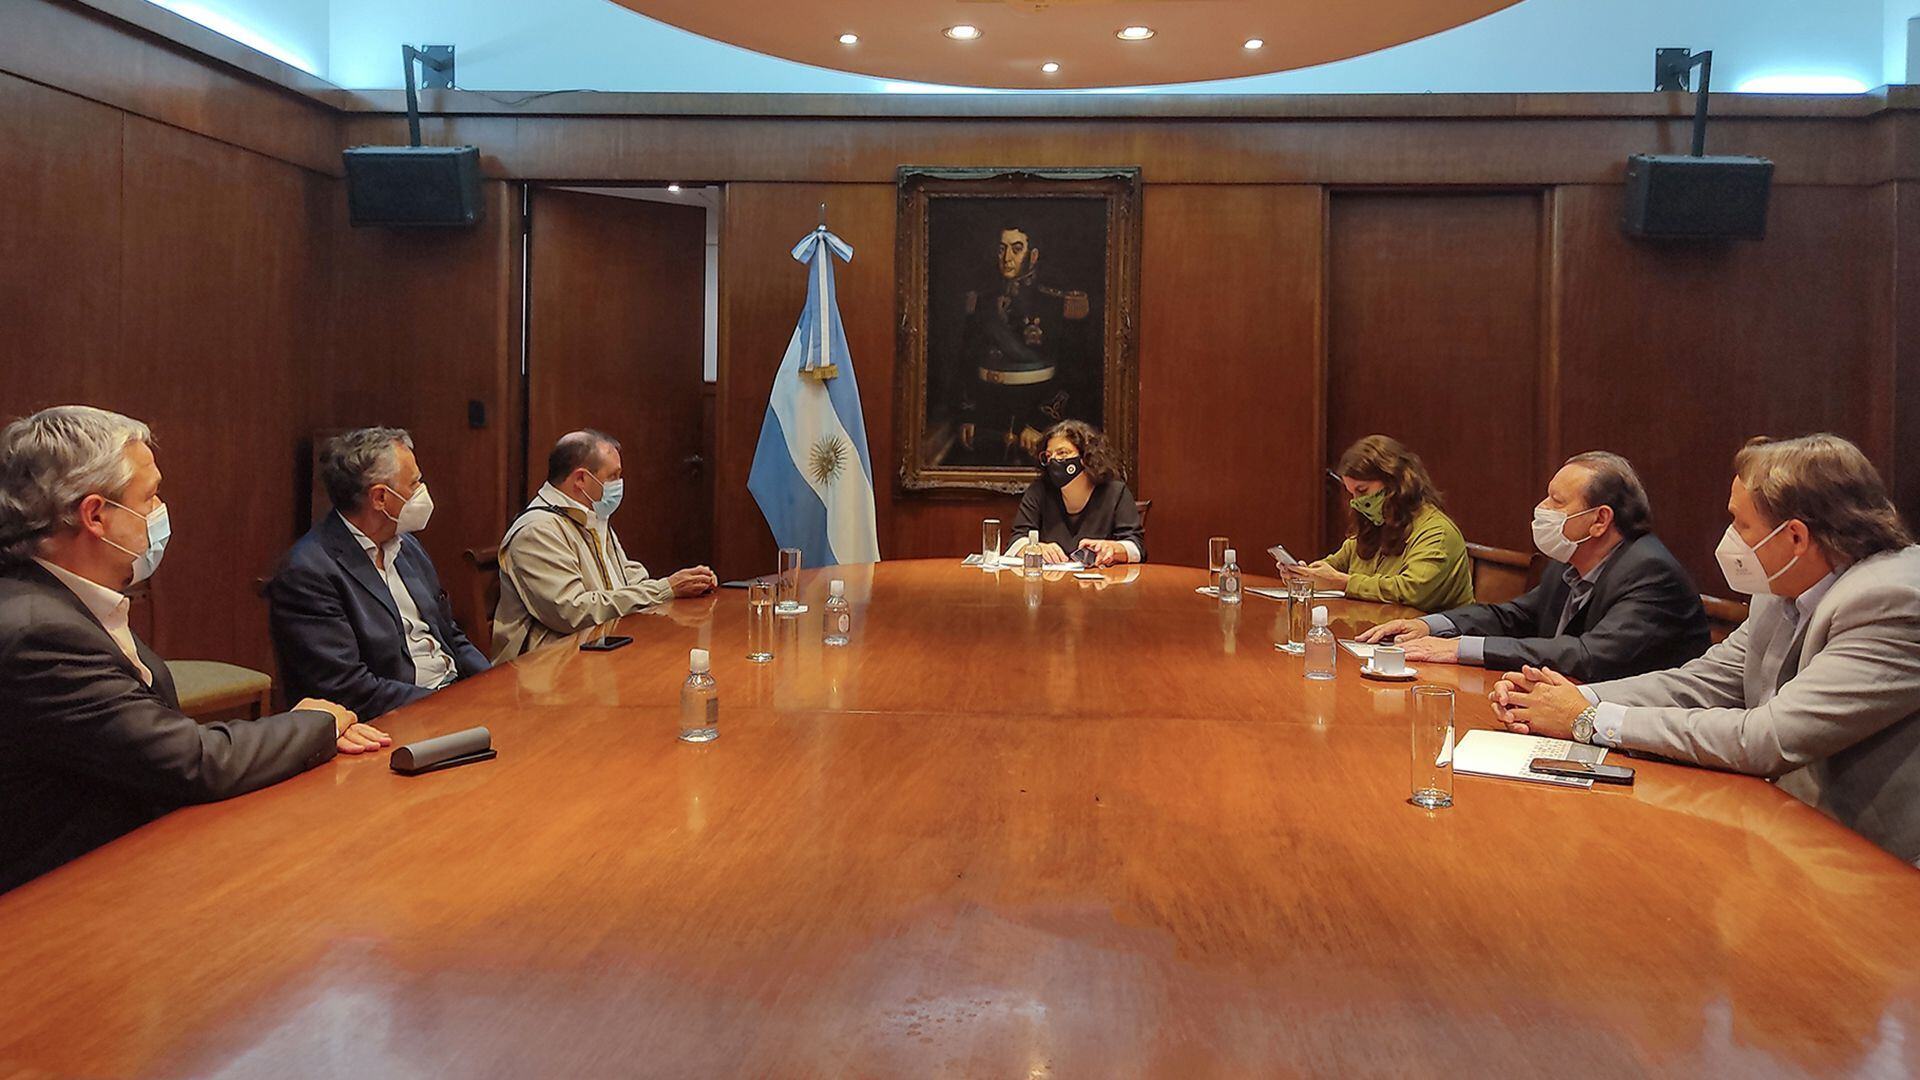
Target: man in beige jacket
(1820,687)
(562,569)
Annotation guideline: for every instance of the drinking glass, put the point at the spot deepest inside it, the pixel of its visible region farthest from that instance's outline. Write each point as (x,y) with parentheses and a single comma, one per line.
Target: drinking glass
(1299,615)
(1432,747)
(1216,559)
(789,585)
(760,622)
(990,540)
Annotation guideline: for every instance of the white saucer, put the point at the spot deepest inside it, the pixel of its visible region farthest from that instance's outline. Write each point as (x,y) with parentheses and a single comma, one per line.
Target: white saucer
(1408,675)
(791,612)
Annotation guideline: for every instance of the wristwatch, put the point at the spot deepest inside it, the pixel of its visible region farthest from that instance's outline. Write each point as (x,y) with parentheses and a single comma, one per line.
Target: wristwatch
(1583,724)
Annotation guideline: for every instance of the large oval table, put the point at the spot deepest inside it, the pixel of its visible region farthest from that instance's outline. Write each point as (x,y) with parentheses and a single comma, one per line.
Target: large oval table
(1016,828)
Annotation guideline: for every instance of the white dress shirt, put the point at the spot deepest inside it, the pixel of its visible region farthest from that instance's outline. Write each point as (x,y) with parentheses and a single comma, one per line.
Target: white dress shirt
(110,606)
(433,665)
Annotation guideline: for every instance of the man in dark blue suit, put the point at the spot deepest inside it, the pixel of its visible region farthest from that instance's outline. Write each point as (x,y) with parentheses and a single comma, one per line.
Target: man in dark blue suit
(358,613)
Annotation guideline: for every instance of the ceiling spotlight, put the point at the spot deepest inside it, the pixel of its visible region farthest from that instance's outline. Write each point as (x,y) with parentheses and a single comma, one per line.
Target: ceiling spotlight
(1254,43)
(849,39)
(1134,33)
(963,32)
(675,188)
(1049,67)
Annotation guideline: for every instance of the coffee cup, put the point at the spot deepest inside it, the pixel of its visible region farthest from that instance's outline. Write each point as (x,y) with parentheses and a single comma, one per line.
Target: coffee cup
(1389,660)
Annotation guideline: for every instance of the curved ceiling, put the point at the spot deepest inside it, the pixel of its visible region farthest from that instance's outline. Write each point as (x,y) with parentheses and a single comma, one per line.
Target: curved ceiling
(1193,40)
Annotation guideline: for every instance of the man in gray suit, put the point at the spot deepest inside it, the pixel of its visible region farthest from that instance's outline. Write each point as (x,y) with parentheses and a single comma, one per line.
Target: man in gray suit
(1820,687)
(96,744)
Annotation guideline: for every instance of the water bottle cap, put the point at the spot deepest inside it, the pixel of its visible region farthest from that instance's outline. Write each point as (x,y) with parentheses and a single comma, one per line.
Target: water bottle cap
(1033,536)
(1233,556)
(697,662)
(837,587)
(1319,616)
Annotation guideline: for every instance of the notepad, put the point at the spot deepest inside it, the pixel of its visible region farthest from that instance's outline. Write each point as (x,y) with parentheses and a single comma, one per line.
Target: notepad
(1506,756)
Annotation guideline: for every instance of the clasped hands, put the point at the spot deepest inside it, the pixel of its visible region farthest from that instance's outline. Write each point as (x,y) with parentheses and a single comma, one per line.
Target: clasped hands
(1538,701)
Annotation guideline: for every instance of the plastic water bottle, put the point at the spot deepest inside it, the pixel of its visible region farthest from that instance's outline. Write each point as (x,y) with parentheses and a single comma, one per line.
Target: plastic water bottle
(1320,647)
(1033,563)
(839,614)
(1230,578)
(699,701)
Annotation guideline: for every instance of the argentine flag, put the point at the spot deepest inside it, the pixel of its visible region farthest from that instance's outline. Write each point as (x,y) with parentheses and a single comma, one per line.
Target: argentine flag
(811,473)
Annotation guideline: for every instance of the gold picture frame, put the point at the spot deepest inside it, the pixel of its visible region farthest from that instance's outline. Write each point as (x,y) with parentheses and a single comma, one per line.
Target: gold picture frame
(1019,294)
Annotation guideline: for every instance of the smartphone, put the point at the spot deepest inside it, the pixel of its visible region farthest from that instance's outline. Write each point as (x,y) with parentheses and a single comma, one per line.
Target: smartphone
(1282,556)
(1582,770)
(606,644)
(1085,557)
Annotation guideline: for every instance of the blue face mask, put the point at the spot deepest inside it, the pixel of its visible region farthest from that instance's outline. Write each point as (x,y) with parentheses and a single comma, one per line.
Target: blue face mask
(159,529)
(611,492)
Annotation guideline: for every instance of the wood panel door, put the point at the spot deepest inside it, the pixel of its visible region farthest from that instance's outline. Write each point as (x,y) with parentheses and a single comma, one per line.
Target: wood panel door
(1434,336)
(615,339)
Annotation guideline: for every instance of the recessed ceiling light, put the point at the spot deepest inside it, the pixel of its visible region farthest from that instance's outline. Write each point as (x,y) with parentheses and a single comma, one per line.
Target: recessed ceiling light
(675,188)
(1134,33)
(1254,43)
(1049,67)
(849,39)
(963,32)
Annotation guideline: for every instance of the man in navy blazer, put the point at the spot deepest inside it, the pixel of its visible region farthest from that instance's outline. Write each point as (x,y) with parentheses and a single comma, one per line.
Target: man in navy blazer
(358,613)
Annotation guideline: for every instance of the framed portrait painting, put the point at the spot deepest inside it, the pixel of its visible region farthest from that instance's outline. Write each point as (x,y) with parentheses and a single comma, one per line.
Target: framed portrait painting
(1019,300)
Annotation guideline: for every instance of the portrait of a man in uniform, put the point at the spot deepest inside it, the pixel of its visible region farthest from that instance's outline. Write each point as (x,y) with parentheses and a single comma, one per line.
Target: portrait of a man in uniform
(1010,323)
(1024,360)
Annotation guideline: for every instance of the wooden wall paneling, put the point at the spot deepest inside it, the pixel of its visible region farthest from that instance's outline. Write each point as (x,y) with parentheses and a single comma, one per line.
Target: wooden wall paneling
(1488,151)
(427,320)
(93,55)
(1434,337)
(616,329)
(1229,354)
(1902,367)
(224,253)
(59,247)
(1673,355)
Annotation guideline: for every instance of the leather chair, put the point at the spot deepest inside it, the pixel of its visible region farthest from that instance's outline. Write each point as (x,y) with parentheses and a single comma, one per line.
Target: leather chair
(483,596)
(1501,574)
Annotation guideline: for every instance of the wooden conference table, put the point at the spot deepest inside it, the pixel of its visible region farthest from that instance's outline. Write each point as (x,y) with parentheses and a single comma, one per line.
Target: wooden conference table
(1033,829)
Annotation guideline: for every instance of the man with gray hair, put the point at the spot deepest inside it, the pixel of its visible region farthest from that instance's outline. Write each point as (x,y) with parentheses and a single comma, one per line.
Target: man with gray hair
(96,742)
(1612,602)
(562,569)
(356,607)
(1820,688)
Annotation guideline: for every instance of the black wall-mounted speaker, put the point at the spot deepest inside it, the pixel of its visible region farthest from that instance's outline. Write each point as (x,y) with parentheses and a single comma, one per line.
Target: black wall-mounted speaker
(413,185)
(1670,196)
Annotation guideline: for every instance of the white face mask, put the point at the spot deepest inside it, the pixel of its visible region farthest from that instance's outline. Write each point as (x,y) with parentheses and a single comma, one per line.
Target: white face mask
(159,530)
(1550,533)
(1741,563)
(415,513)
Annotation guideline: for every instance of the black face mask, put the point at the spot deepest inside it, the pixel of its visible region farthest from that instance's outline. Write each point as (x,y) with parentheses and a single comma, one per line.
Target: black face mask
(1063,471)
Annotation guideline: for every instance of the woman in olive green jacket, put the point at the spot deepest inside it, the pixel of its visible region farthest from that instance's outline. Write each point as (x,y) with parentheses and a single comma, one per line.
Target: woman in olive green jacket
(1401,547)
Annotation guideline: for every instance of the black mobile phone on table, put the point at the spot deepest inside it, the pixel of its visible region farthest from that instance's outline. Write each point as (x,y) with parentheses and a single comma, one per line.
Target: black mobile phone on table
(1582,770)
(606,644)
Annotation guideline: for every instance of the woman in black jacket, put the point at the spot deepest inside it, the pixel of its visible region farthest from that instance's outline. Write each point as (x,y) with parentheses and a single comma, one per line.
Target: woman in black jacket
(1080,501)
